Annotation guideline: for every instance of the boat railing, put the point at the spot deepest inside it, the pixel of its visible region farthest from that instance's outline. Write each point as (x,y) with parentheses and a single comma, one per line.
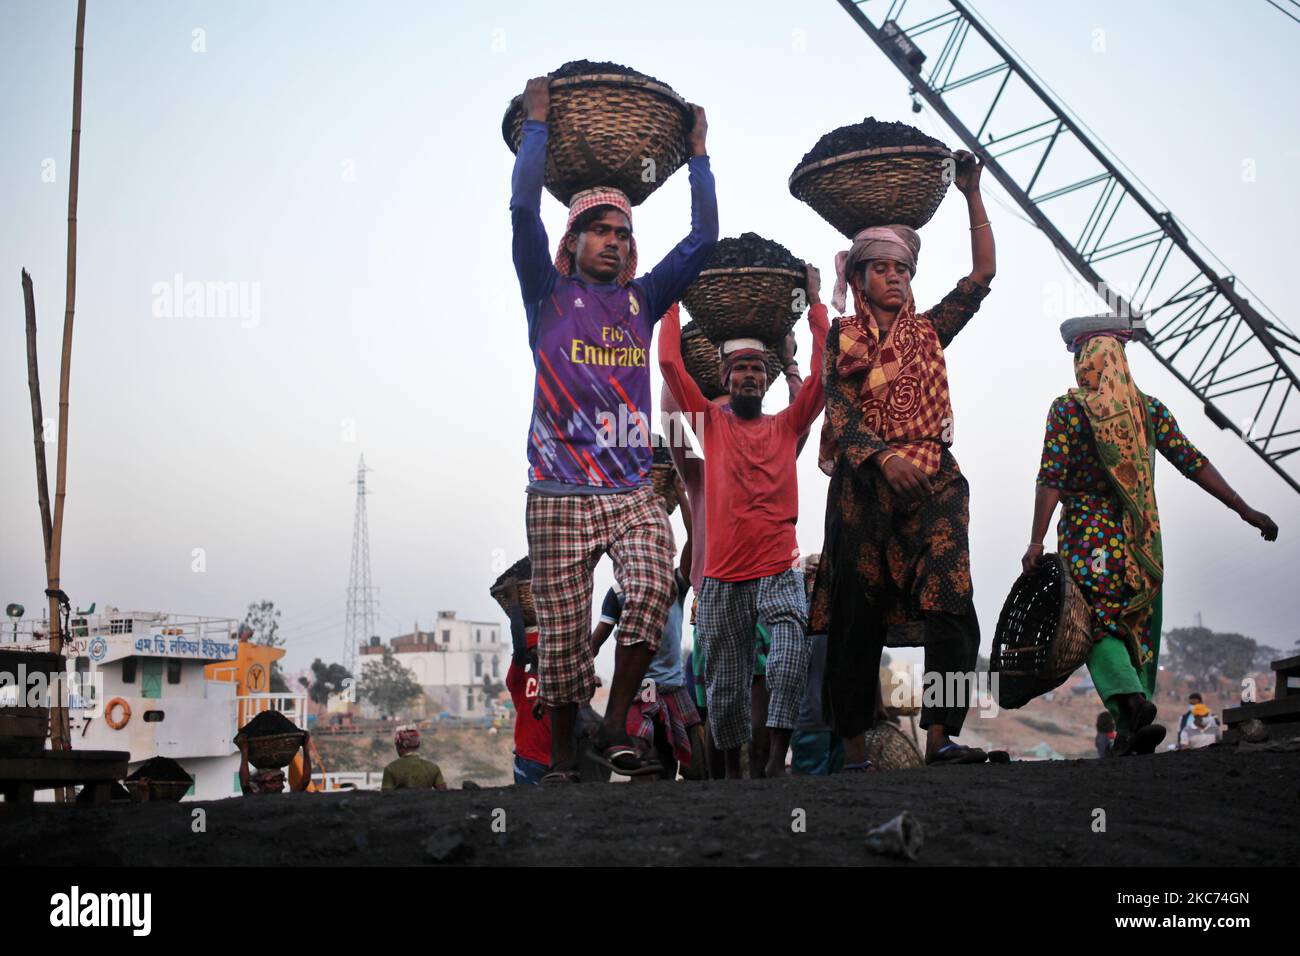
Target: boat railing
(293,706)
(114,623)
(348,780)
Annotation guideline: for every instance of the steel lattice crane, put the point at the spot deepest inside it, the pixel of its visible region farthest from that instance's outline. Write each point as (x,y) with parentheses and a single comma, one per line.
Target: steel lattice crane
(1235,355)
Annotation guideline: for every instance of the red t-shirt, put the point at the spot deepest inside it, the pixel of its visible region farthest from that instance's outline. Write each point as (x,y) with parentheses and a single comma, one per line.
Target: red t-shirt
(751,490)
(532,736)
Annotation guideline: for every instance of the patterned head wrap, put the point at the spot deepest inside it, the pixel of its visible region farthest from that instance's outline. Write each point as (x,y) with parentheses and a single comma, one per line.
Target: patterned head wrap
(899,243)
(1121,429)
(733,350)
(1077,332)
(406,737)
(589,199)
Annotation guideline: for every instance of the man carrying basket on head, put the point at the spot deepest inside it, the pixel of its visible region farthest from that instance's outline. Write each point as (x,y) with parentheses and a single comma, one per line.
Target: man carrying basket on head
(898,506)
(1099,459)
(753,503)
(590,324)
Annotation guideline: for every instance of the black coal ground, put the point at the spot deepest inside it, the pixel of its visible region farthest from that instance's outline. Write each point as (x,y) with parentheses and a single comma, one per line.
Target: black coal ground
(1223,806)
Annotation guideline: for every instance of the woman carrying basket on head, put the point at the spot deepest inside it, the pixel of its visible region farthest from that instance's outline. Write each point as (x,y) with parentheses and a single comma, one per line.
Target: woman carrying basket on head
(897,508)
(1099,460)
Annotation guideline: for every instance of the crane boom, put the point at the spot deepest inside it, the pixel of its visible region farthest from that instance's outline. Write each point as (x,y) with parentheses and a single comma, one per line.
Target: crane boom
(1234,357)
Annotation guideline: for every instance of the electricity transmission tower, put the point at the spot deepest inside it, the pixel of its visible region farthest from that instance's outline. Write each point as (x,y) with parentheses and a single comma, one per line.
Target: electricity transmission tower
(1234,354)
(361,597)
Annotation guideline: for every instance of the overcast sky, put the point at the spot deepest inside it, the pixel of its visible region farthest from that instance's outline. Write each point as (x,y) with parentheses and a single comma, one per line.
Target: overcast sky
(343,163)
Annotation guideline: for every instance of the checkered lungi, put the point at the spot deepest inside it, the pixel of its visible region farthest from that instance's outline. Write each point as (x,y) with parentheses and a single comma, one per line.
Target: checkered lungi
(674,711)
(728,619)
(567,535)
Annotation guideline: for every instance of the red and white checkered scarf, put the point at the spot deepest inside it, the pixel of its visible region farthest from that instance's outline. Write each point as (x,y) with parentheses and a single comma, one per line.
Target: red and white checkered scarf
(580,203)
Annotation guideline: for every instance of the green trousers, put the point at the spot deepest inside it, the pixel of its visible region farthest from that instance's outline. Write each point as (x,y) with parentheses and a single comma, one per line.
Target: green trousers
(1113,672)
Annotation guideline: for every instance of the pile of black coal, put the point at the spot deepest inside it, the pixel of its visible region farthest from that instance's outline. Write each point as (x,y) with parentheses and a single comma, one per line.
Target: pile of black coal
(161,769)
(869,134)
(750,250)
(590,68)
(521,570)
(269,723)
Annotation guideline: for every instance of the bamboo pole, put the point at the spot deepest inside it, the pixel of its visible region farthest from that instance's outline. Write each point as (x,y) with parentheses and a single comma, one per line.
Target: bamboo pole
(38,417)
(59,736)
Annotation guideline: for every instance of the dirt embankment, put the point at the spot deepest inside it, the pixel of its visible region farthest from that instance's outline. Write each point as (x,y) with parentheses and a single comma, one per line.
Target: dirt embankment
(1223,806)
(463,753)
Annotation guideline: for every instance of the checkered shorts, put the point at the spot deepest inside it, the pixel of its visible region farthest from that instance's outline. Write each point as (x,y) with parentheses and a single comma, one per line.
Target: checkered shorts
(567,535)
(728,619)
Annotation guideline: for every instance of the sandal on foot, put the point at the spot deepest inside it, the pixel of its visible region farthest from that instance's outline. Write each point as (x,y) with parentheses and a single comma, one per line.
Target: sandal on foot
(561,777)
(865,767)
(957,753)
(622,758)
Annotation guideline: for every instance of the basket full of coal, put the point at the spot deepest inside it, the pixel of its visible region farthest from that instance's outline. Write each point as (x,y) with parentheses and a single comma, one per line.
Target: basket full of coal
(159,780)
(272,738)
(874,173)
(609,126)
(751,287)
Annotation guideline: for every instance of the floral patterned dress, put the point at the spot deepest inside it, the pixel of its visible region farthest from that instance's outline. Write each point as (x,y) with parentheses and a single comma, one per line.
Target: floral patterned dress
(1091,531)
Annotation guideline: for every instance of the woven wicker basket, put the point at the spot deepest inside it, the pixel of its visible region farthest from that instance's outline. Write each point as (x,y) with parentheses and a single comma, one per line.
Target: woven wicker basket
(874,187)
(662,476)
(700,356)
(888,748)
(1044,633)
(526,604)
(745,303)
(273,751)
(603,129)
(159,791)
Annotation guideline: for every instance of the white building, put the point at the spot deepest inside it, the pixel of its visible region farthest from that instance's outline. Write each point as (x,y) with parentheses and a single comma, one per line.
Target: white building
(451,662)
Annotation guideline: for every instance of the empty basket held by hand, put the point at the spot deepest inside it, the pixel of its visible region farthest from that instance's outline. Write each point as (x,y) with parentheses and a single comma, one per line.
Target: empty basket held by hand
(1044,633)
(521,572)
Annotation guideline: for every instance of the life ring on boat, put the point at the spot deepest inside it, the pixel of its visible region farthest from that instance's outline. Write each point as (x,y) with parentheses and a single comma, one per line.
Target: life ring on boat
(117,723)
